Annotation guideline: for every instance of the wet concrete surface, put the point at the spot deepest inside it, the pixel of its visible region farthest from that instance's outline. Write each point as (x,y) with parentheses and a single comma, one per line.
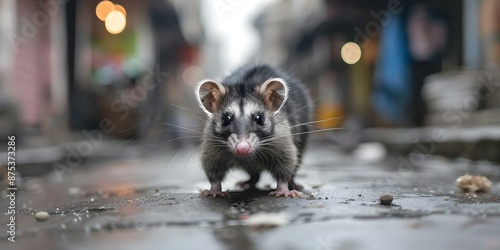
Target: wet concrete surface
(152,202)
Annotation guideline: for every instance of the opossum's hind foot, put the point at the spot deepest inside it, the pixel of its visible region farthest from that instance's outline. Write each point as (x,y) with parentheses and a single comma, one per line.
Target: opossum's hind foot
(292,185)
(214,191)
(282,190)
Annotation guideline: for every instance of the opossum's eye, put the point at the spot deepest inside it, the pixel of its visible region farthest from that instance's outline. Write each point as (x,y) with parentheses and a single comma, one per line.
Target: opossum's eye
(226,119)
(259,119)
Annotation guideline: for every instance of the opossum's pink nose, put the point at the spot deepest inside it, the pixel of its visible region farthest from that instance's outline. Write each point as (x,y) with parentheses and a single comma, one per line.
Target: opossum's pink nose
(243,149)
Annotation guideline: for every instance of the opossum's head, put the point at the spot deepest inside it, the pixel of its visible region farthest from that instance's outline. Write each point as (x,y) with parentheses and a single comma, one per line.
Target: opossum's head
(242,115)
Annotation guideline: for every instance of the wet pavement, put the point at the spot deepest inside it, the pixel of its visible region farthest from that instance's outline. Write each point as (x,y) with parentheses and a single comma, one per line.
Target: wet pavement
(150,201)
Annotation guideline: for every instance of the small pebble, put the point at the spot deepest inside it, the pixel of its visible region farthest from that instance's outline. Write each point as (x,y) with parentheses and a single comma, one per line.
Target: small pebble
(386,199)
(41,216)
(130,201)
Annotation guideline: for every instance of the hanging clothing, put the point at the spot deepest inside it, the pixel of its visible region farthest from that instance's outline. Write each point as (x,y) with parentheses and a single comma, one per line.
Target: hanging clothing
(392,95)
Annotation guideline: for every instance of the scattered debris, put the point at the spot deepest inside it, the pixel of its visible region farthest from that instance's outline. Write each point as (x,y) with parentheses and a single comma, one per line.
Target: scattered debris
(415,224)
(315,206)
(262,221)
(41,216)
(470,183)
(386,199)
(306,196)
(76,191)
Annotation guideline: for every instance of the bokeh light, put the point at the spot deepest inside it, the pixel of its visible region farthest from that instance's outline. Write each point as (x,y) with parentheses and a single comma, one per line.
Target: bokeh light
(192,75)
(103,9)
(121,9)
(350,53)
(115,22)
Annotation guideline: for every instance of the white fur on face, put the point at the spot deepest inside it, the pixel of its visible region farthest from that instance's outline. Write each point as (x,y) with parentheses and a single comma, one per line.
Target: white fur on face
(250,109)
(234,108)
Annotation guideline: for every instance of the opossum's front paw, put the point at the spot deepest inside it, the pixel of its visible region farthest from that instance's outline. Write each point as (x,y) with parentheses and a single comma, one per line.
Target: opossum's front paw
(287,193)
(214,193)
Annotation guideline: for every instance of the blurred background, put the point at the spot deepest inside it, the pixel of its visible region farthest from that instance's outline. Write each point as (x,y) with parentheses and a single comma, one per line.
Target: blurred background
(80,77)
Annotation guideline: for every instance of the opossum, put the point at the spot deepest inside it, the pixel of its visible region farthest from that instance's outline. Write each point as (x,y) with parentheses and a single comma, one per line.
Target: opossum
(256,120)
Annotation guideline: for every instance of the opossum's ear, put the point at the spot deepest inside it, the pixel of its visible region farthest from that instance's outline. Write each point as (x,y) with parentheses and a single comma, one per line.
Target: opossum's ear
(275,93)
(208,94)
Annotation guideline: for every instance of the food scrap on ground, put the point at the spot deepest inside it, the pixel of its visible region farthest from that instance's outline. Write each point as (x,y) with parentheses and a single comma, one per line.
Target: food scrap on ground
(472,184)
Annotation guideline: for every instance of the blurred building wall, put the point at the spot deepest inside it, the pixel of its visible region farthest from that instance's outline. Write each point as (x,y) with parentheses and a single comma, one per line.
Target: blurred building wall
(8,111)
(31,78)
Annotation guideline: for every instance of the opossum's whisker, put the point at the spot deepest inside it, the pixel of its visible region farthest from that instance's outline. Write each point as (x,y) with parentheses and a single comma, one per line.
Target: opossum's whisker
(155,123)
(218,143)
(133,137)
(222,152)
(181,127)
(176,130)
(141,134)
(317,121)
(190,112)
(180,107)
(313,101)
(180,96)
(316,131)
(179,138)
(300,133)
(185,101)
(198,149)
(260,153)
(135,126)
(198,134)
(173,155)
(193,131)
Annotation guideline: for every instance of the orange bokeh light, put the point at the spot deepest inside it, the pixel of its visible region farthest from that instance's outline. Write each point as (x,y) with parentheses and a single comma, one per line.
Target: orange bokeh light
(120,9)
(103,9)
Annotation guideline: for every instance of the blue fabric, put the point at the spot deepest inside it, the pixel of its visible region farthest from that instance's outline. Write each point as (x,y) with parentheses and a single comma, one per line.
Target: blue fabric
(392,95)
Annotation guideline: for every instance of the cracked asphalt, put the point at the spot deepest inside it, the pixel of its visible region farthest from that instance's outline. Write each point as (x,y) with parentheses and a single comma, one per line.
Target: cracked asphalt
(151,201)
